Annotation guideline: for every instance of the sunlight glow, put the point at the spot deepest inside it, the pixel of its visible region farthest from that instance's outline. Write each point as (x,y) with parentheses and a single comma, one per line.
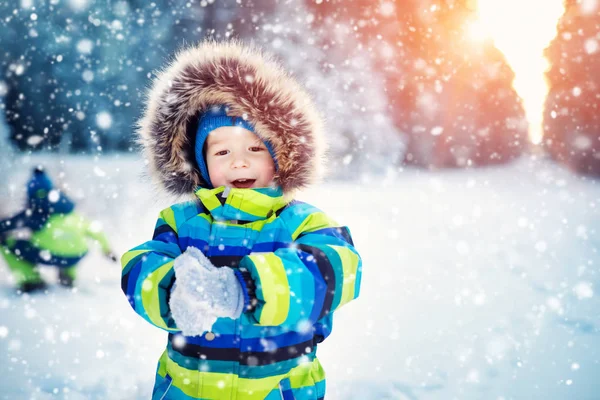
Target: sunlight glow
(522,30)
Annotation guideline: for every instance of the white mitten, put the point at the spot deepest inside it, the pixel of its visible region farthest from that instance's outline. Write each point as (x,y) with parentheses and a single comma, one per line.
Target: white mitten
(191,316)
(202,293)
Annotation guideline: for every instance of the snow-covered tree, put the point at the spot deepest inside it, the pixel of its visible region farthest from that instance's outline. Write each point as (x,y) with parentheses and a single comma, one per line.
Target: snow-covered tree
(6,151)
(464,110)
(78,70)
(337,70)
(451,94)
(571,115)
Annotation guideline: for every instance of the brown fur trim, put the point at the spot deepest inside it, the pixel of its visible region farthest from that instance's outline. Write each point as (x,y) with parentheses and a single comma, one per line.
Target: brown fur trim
(255,87)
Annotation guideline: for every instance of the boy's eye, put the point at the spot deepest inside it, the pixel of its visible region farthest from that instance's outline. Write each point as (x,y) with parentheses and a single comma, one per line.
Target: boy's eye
(256,148)
(221,153)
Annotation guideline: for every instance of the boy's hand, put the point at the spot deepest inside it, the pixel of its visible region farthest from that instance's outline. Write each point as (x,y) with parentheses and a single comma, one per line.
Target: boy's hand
(202,293)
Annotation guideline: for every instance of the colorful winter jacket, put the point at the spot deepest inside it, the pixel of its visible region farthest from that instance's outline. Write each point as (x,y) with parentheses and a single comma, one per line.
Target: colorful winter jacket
(304,266)
(301,264)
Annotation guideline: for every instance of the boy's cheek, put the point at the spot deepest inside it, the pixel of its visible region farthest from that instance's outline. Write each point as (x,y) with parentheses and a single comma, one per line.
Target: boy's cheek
(215,175)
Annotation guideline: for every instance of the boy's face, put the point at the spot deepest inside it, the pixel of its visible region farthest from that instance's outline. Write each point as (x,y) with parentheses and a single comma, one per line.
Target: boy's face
(236,157)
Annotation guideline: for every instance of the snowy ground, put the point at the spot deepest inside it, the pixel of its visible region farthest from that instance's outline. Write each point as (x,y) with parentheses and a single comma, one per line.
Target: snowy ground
(477,285)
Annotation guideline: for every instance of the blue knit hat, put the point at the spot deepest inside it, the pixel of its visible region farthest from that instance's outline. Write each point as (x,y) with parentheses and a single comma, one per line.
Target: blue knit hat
(216,117)
(40,184)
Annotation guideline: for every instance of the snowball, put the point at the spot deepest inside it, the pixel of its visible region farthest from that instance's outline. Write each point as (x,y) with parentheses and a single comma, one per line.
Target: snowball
(53,196)
(64,336)
(588,6)
(591,46)
(304,326)
(87,75)
(104,120)
(554,304)
(35,140)
(387,8)
(99,172)
(30,313)
(437,131)
(473,376)
(116,25)
(96,226)
(582,142)
(268,345)
(45,255)
(85,46)
(179,341)
(583,290)
(78,5)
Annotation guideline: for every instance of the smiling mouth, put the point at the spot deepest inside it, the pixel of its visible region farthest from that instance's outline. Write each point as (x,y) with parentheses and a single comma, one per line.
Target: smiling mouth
(243,183)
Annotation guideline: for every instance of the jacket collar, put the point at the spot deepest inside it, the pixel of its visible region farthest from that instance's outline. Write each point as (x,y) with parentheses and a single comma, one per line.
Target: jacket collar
(225,203)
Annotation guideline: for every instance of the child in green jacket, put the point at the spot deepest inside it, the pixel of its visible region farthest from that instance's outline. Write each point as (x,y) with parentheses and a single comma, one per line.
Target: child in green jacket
(58,236)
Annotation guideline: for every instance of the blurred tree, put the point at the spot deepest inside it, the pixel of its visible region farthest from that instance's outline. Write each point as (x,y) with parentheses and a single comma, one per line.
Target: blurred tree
(572,109)
(449,92)
(464,111)
(77,71)
(25,70)
(380,72)
(6,153)
(337,69)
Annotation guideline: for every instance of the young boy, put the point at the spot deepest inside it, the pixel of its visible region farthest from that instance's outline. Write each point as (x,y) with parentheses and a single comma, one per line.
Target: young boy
(58,236)
(243,278)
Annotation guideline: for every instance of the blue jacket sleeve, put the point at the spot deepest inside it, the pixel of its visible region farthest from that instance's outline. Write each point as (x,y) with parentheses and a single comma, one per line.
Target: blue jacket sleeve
(15,222)
(148,275)
(301,283)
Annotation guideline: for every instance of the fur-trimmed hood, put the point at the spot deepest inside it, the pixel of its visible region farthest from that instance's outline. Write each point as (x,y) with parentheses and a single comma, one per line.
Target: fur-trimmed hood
(255,87)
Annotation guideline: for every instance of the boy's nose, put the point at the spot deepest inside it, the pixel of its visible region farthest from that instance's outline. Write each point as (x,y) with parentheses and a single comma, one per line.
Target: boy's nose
(239,162)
